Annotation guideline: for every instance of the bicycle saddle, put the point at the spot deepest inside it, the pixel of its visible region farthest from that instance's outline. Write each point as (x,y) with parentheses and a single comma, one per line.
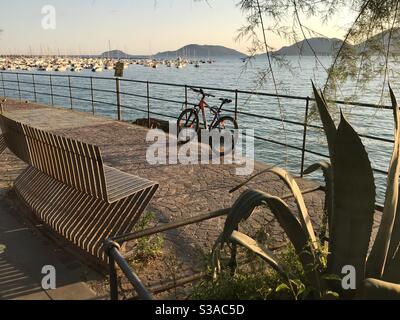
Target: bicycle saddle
(226,100)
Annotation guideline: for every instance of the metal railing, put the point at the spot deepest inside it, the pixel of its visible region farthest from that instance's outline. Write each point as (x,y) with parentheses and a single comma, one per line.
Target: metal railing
(114,244)
(19,86)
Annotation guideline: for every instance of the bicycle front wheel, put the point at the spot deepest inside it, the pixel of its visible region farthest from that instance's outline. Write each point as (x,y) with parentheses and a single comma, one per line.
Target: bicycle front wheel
(188,125)
(226,130)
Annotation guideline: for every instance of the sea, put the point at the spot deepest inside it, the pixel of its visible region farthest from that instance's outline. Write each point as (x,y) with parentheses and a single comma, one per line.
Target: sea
(292,78)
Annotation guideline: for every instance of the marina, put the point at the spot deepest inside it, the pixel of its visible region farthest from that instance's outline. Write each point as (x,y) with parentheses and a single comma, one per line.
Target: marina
(94,64)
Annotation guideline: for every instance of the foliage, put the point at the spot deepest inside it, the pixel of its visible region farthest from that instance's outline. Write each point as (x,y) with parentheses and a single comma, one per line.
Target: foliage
(147,248)
(255,283)
(369,47)
(350,208)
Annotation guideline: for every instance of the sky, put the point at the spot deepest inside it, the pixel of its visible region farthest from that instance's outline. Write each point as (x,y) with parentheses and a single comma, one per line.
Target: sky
(134,26)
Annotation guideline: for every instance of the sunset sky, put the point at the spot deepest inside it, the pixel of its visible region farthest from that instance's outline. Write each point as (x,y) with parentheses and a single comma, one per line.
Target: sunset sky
(134,26)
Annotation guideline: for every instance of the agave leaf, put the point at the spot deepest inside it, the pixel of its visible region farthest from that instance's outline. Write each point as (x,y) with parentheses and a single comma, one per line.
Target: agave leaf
(354,202)
(250,179)
(241,211)
(216,257)
(392,268)
(260,250)
(373,289)
(301,206)
(380,249)
(289,223)
(297,236)
(326,119)
(249,200)
(326,168)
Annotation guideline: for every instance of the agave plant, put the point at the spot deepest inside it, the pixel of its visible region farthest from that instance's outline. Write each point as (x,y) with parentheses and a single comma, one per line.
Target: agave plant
(348,218)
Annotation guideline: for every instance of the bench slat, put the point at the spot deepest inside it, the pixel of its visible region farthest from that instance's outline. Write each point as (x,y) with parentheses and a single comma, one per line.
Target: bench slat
(3,145)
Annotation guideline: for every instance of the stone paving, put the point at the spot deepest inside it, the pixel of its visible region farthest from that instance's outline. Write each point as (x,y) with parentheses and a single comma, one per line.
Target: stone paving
(185,190)
(24,250)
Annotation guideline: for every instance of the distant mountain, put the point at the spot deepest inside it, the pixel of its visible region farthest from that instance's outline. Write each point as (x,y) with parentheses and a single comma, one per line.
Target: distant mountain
(384,37)
(321,46)
(115,54)
(201,51)
(118,54)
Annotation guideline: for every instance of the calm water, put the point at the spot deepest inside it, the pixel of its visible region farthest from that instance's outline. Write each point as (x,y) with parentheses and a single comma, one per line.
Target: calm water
(231,74)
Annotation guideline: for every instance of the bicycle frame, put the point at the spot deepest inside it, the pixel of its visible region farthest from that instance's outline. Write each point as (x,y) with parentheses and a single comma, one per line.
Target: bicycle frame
(202,106)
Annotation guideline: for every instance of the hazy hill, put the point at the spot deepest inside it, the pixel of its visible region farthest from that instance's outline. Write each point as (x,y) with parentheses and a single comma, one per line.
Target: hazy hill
(321,46)
(377,39)
(118,54)
(201,51)
(115,54)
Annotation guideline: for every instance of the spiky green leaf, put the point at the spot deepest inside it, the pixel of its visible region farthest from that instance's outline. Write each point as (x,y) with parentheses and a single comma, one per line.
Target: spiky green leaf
(259,249)
(380,249)
(241,211)
(354,192)
(326,119)
(373,289)
(305,219)
(327,170)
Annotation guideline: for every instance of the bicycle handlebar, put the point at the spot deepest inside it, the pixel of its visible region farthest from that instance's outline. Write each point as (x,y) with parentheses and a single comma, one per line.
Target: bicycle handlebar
(202,92)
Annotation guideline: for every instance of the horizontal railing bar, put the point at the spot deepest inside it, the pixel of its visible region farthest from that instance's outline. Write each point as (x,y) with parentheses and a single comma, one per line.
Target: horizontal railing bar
(151,112)
(158,99)
(360,104)
(12,89)
(16,81)
(188,221)
(170,226)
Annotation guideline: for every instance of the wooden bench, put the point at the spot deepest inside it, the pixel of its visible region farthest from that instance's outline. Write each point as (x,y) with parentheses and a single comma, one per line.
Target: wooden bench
(70,189)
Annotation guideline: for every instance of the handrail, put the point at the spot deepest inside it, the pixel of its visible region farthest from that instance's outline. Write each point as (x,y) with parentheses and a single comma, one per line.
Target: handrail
(112,248)
(20,78)
(258,93)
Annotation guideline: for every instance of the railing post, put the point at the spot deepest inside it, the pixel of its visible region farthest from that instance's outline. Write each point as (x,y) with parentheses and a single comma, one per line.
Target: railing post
(148,104)
(91,92)
(113,279)
(186,96)
(117,84)
(236,104)
(51,91)
(19,87)
(303,150)
(34,87)
(70,91)
(2,82)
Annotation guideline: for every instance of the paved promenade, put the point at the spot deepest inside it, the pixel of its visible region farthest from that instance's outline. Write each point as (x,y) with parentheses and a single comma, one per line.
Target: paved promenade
(185,190)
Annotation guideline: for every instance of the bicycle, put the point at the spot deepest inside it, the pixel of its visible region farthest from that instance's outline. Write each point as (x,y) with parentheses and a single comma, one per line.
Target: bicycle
(189,124)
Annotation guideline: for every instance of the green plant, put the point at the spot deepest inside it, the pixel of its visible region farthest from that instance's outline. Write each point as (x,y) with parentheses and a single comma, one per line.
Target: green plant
(147,248)
(254,281)
(349,217)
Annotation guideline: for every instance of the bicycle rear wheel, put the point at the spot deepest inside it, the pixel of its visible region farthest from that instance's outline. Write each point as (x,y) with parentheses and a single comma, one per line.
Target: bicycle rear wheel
(227,130)
(188,125)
